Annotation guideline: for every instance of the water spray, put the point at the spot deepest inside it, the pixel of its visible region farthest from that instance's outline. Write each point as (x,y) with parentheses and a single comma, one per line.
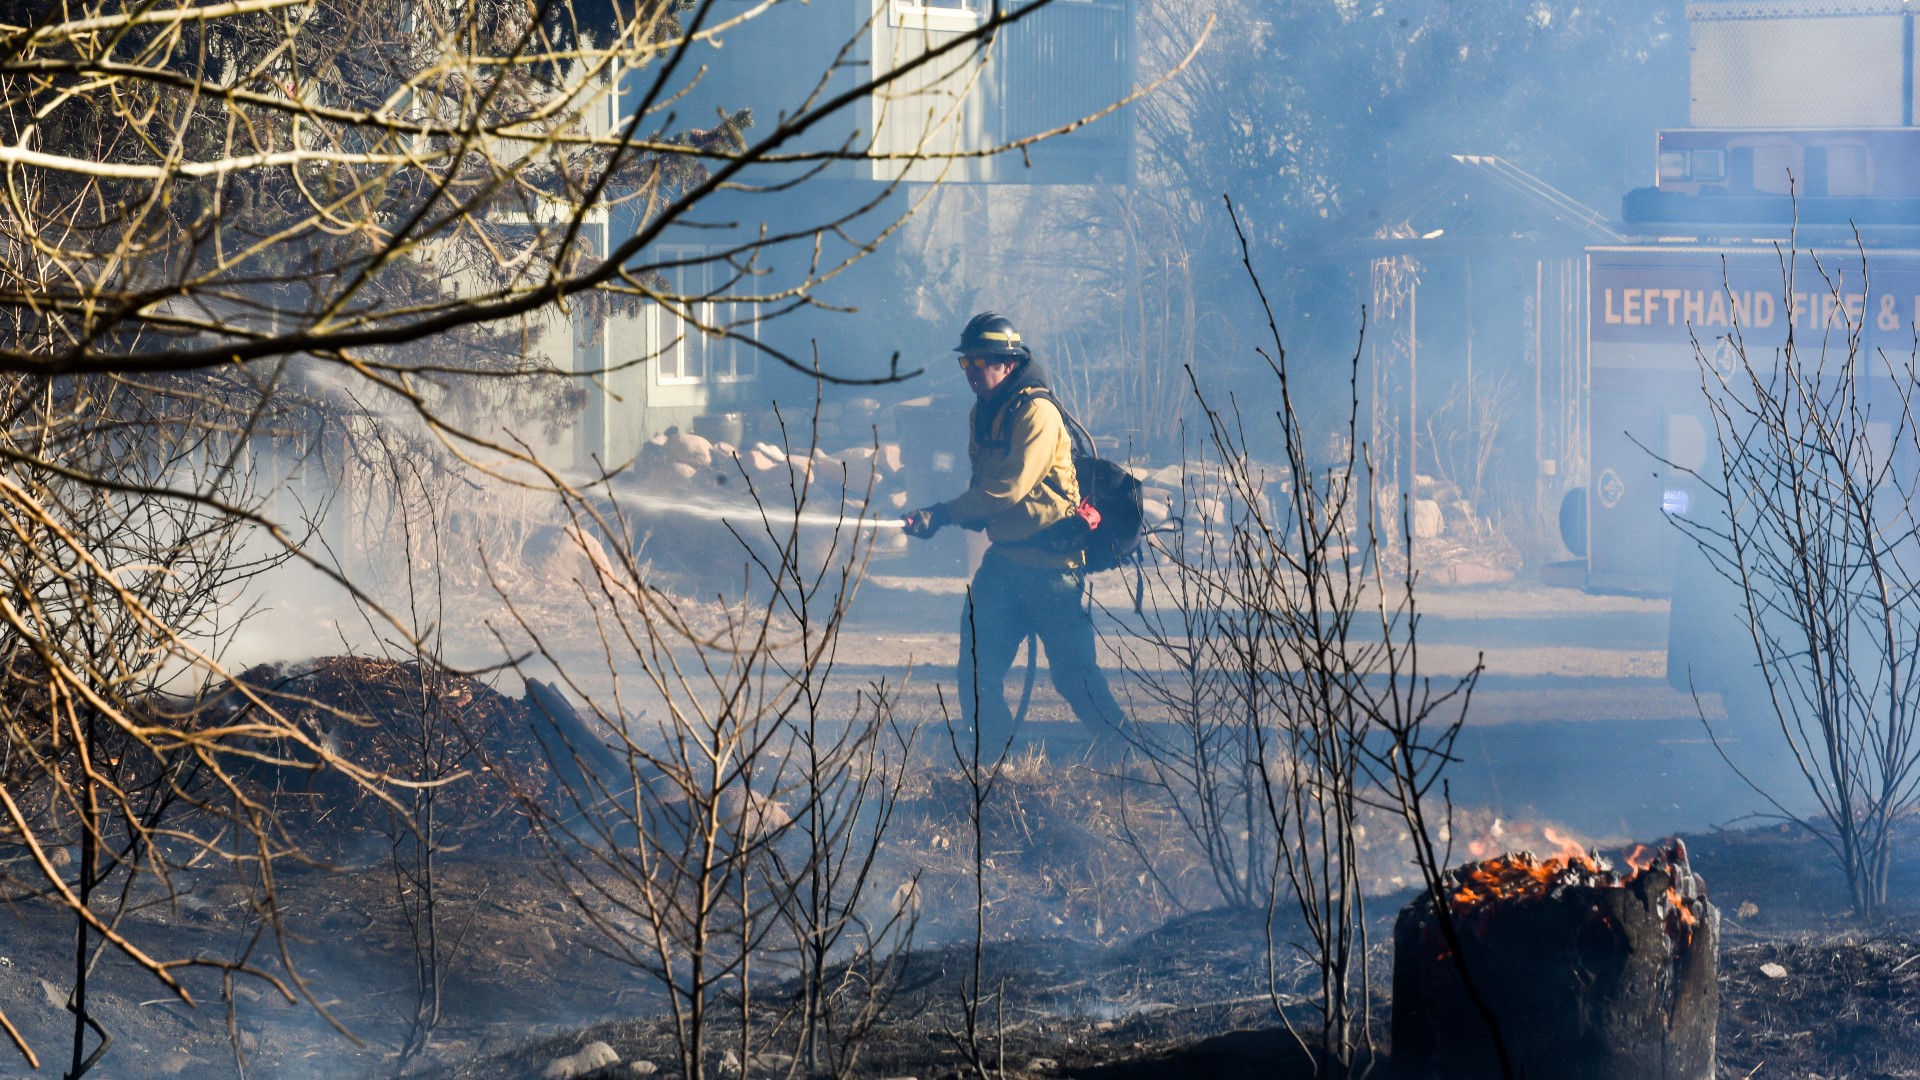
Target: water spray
(705,510)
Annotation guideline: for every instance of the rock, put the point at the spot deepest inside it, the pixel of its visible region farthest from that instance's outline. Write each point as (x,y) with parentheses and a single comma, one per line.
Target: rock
(1207,509)
(859,455)
(1467,573)
(683,472)
(802,465)
(595,1055)
(725,449)
(1159,494)
(1427,520)
(688,449)
(1154,511)
(758,462)
(889,458)
(589,545)
(642,1068)
(565,553)
(1169,476)
(1773,971)
(744,818)
(897,500)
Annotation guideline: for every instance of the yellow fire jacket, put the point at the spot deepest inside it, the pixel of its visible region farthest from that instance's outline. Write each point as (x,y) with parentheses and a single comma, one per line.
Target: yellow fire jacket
(1023,478)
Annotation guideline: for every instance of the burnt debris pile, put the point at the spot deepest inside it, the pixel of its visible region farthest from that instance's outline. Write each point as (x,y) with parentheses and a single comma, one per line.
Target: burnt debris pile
(423,733)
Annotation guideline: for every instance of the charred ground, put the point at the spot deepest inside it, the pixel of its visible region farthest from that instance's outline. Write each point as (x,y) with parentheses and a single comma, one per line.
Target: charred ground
(1091,966)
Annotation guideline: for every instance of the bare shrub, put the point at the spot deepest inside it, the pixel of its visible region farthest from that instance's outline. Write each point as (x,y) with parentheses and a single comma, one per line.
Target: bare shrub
(1810,515)
(1297,701)
(727,838)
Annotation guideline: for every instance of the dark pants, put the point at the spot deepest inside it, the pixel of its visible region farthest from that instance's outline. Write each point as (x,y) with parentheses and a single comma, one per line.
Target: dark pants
(1005,603)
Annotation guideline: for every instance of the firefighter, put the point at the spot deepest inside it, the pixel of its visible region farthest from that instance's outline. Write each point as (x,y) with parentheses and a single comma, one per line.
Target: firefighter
(1029,583)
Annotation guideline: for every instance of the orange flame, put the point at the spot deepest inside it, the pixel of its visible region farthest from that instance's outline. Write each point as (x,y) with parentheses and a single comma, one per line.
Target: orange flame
(1687,918)
(1519,875)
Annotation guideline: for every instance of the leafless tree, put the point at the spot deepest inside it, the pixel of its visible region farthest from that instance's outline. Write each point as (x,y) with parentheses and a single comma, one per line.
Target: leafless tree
(213,217)
(1463,434)
(1809,513)
(726,841)
(1319,706)
(1179,654)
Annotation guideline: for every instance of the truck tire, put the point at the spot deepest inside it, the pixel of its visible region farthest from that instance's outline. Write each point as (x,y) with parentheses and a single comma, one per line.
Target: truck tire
(1573,521)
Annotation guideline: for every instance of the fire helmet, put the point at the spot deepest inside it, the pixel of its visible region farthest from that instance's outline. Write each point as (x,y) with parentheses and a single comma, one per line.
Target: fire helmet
(991,334)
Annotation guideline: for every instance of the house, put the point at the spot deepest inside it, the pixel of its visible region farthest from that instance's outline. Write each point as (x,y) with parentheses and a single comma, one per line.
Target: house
(698,368)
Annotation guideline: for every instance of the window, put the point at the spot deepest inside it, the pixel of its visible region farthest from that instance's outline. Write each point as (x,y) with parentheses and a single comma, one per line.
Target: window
(683,348)
(735,357)
(688,353)
(938,14)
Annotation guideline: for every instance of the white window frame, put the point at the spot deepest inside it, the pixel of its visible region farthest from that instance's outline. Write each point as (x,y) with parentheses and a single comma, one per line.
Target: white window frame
(682,360)
(937,14)
(734,358)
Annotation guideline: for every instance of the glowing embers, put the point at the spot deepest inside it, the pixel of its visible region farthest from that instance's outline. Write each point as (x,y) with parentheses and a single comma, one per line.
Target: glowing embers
(1589,972)
(1520,876)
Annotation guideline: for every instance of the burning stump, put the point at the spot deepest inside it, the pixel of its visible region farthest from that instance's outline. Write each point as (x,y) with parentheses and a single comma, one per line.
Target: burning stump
(1591,974)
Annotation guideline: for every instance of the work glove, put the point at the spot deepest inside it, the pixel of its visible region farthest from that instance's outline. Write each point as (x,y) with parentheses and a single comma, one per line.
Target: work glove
(923,523)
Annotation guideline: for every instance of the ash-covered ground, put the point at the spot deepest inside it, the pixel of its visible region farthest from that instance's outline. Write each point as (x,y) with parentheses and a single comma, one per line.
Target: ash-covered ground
(1104,948)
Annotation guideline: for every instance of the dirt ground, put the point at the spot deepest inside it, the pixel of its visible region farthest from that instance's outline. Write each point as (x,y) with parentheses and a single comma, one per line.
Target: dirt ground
(1090,966)
(1161,993)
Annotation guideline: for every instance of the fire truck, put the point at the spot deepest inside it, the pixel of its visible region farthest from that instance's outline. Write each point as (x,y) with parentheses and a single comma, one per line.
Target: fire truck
(1792,199)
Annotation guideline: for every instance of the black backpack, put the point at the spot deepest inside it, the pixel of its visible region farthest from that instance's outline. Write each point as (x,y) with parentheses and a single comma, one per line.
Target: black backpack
(1110,490)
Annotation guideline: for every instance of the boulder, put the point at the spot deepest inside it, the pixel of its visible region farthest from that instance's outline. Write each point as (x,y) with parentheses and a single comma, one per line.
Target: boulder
(559,553)
(687,449)
(745,818)
(889,458)
(1154,511)
(1207,509)
(595,1055)
(1428,522)
(684,471)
